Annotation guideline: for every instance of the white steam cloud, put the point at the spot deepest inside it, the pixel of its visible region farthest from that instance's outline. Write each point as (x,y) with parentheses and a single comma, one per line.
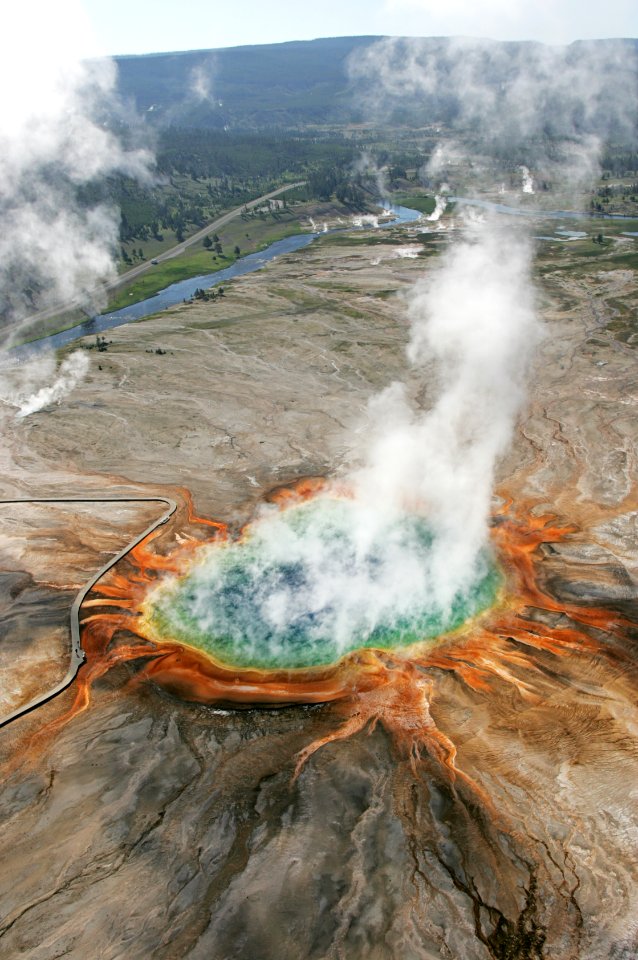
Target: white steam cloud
(202,79)
(40,383)
(561,102)
(54,249)
(367,165)
(365,220)
(473,327)
(527,179)
(440,203)
(473,322)
(371,576)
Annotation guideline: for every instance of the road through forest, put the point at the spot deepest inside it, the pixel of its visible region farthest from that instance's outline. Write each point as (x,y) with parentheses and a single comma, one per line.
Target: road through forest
(175,251)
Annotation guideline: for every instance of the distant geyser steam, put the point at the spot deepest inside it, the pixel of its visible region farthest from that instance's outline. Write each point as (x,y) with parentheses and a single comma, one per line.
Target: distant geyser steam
(308,584)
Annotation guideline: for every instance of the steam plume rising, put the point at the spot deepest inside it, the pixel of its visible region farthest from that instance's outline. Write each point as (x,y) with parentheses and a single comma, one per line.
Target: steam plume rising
(53,249)
(366,164)
(18,387)
(527,180)
(473,327)
(440,203)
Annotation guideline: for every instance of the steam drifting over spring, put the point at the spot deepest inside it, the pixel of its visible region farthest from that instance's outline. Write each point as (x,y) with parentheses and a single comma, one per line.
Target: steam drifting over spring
(473,328)
(473,331)
(406,559)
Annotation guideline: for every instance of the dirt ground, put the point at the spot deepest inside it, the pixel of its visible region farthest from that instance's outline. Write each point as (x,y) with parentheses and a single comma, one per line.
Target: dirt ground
(150,827)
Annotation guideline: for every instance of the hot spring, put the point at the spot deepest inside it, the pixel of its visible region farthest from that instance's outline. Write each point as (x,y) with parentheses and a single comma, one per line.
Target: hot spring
(312,582)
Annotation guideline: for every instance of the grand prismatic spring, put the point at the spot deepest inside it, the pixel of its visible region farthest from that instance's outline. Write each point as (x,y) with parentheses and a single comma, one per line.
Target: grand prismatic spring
(236,621)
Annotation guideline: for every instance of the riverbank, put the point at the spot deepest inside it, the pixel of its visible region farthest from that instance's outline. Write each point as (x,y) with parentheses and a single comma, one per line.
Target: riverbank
(238,233)
(200,261)
(251,232)
(182,290)
(177,279)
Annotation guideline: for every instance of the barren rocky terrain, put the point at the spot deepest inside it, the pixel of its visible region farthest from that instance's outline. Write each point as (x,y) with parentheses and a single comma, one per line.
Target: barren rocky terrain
(146,826)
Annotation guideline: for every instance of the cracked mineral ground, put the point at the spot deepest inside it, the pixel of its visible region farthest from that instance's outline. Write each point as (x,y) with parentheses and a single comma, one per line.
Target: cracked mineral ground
(139,821)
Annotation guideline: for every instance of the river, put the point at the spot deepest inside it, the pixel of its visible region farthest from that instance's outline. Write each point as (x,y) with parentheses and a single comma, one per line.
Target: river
(535,212)
(183,290)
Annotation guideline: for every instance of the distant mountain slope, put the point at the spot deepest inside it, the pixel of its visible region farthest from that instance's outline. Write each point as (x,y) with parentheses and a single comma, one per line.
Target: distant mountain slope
(288,85)
(280,85)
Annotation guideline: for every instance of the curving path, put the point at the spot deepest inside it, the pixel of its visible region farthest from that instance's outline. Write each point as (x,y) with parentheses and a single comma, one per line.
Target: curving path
(77,653)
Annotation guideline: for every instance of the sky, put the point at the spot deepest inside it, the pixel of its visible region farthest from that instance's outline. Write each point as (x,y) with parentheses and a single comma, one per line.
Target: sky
(146,26)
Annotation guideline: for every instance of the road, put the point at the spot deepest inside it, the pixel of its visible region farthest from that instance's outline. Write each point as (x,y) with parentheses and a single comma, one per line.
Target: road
(215,225)
(175,251)
(77,653)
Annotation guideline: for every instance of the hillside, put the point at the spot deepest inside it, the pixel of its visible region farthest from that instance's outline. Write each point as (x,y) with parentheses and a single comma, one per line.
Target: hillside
(281,85)
(303,83)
